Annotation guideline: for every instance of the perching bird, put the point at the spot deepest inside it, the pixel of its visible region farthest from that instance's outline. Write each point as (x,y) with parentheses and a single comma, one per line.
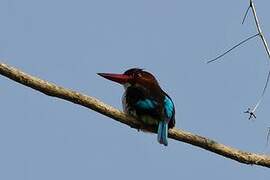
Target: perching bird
(145,99)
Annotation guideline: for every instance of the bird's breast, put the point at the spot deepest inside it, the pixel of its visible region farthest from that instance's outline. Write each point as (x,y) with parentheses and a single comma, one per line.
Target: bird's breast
(126,107)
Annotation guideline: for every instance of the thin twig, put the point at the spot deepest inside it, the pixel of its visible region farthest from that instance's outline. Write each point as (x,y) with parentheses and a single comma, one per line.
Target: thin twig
(259,30)
(252,5)
(54,90)
(259,33)
(267,137)
(245,16)
(264,89)
(226,52)
(252,112)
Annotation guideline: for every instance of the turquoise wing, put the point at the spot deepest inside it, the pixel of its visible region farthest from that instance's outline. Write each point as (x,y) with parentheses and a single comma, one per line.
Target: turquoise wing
(146,104)
(169,107)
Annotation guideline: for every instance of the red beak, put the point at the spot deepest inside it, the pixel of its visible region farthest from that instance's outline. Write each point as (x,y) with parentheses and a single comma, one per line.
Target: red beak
(119,78)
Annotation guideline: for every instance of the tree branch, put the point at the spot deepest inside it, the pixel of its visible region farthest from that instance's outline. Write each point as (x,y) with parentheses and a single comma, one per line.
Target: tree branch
(54,90)
(251,111)
(235,46)
(260,33)
(259,29)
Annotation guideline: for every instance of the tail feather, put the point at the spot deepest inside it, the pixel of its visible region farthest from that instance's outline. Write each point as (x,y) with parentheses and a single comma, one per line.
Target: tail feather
(159,133)
(163,133)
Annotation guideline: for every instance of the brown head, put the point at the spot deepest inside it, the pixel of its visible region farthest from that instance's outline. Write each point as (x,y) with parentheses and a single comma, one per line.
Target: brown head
(133,77)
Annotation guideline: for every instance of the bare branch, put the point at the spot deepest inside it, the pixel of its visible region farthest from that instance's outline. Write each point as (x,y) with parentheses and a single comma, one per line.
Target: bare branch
(250,111)
(246,13)
(252,5)
(226,52)
(267,137)
(264,89)
(259,30)
(54,90)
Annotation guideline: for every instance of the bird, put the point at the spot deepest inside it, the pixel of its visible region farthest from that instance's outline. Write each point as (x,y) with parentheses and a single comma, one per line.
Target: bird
(144,98)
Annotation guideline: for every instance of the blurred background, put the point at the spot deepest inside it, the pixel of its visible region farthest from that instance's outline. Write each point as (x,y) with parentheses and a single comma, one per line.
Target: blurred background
(68,42)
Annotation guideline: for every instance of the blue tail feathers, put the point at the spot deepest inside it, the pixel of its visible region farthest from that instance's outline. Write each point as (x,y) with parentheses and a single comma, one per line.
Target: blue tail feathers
(163,133)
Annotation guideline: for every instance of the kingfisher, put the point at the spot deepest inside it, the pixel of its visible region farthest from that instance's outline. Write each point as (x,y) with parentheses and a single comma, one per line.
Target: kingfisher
(143,98)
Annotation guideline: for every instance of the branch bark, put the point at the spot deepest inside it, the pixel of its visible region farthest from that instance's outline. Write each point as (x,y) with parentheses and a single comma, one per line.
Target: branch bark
(54,90)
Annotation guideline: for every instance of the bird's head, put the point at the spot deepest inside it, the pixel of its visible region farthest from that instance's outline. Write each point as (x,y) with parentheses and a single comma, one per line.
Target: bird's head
(132,77)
